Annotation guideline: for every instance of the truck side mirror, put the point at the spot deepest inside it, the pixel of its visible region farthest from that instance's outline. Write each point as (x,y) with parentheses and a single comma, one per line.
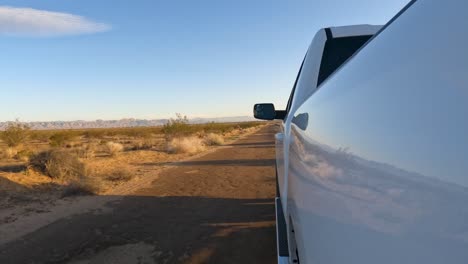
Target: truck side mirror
(264,111)
(267,112)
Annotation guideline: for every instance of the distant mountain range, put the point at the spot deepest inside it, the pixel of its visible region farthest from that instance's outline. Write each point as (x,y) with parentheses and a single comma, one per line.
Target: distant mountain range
(127,122)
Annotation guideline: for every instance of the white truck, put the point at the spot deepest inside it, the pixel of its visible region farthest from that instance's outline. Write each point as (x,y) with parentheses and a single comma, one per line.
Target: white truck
(371,156)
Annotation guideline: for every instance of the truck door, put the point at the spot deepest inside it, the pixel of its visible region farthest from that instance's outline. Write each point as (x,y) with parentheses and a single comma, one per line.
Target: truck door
(335,53)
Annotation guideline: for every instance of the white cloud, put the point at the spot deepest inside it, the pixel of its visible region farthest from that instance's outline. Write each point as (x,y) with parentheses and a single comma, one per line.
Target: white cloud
(34,22)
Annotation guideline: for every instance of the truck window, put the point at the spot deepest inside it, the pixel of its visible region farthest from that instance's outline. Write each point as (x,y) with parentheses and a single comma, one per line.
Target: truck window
(288,106)
(336,52)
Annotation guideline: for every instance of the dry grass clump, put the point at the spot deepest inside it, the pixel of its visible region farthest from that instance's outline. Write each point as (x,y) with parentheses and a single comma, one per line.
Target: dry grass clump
(24,155)
(113,148)
(249,130)
(142,144)
(213,139)
(9,153)
(15,153)
(87,151)
(189,145)
(120,175)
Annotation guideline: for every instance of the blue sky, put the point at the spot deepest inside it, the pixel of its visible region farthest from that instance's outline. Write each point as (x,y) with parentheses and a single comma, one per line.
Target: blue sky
(112,59)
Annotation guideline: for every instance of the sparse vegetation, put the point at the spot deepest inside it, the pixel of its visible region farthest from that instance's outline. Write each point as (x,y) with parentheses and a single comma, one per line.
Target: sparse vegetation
(141,144)
(41,136)
(60,139)
(24,155)
(87,151)
(213,139)
(120,175)
(142,132)
(113,148)
(9,153)
(47,166)
(178,126)
(189,145)
(51,164)
(15,134)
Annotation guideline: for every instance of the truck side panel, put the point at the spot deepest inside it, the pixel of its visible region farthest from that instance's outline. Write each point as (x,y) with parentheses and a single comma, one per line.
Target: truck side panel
(377,160)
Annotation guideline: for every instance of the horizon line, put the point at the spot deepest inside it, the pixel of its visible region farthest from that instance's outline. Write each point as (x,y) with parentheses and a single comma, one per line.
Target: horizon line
(124,118)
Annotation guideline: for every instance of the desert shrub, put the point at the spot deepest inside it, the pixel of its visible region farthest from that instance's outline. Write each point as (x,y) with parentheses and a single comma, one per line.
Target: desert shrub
(113,148)
(137,145)
(247,130)
(213,127)
(178,126)
(58,164)
(40,135)
(65,167)
(249,124)
(87,151)
(200,134)
(95,133)
(146,143)
(185,145)
(221,128)
(24,155)
(61,139)
(120,175)
(136,132)
(213,139)
(9,153)
(15,134)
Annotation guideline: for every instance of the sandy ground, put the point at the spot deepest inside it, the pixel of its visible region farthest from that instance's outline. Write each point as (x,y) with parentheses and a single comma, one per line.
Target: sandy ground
(216,207)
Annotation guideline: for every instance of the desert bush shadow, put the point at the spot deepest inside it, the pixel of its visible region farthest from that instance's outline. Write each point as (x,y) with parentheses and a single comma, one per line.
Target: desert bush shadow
(12,168)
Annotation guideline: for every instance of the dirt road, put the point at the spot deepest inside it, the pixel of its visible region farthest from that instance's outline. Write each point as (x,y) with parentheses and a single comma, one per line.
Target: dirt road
(217,208)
